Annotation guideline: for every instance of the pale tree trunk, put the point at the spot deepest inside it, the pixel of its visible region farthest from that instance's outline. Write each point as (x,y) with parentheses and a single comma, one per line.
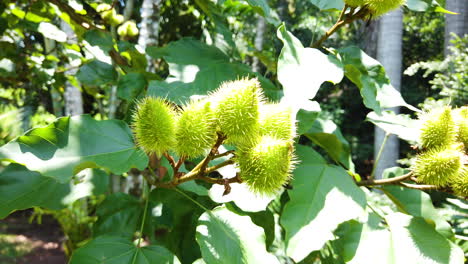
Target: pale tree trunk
(72,96)
(259,39)
(389,53)
(457,24)
(149,32)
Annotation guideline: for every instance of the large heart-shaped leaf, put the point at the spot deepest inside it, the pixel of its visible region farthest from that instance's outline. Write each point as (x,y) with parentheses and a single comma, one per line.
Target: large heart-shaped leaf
(301,70)
(322,197)
(118,250)
(407,239)
(71,144)
(96,72)
(21,188)
(416,241)
(225,237)
(370,77)
(418,203)
(196,68)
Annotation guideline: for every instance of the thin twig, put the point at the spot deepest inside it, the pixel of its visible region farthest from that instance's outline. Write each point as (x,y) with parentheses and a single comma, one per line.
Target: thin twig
(377,159)
(419,186)
(170,159)
(224,154)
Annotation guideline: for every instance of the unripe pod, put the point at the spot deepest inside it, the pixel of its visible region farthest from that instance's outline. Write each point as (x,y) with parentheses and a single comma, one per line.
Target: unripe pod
(266,166)
(128,29)
(354,3)
(461,120)
(154,125)
(276,121)
(438,167)
(460,183)
(380,7)
(196,129)
(106,11)
(438,129)
(236,106)
(116,20)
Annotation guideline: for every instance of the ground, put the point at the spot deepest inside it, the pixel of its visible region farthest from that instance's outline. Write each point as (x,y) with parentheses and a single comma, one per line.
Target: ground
(22,242)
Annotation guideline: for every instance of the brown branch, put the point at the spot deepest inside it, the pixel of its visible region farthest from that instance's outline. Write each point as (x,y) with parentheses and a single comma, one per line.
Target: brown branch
(170,159)
(395,180)
(214,150)
(342,20)
(224,154)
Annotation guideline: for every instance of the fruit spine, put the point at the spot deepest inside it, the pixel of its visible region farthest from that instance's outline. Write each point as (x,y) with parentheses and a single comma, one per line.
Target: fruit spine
(154,125)
(266,166)
(196,130)
(236,107)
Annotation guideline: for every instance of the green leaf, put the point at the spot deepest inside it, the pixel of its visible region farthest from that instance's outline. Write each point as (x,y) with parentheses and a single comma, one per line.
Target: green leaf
(328,136)
(197,68)
(306,117)
(427,5)
(52,31)
(370,77)
(71,144)
(179,237)
(118,214)
(307,155)
(301,70)
(95,73)
(99,38)
(21,188)
(328,4)
(366,243)
(262,8)
(322,197)
(225,237)
(131,85)
(418,203)
(401,125)
(416,241)
(117,250)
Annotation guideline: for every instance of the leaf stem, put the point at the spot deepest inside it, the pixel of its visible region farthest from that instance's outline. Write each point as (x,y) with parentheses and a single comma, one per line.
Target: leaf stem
(395,180)
(377,159)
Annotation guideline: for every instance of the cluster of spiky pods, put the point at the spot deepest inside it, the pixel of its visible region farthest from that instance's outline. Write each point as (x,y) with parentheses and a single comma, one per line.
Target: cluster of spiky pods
(444,140)
(237,112)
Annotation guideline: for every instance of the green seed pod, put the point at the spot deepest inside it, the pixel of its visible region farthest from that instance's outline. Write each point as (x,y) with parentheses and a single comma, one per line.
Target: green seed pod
(438,167)
(460,183)
(380,7)
(236,106)
(128,29)
(276,121)
(461,121)
(154,125)
(116,20)
(266,166)
(106,11)
(196,129)
(438,129)
(354,3)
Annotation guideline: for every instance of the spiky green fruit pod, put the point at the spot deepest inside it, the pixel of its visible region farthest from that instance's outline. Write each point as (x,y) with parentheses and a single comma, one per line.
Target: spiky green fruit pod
(236,105)
(460,183)
(461,120)
(266,166)
(196,129)
(380,7)
(106,12)
(354,3)
(276,120)
(438,167)
(116,20)
(154,125)
(438,128)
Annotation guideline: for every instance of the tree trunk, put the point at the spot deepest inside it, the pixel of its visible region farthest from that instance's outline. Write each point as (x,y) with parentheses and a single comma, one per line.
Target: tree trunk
(457,24)
(389,53)
(259,39)
(73,100)
(149,32)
